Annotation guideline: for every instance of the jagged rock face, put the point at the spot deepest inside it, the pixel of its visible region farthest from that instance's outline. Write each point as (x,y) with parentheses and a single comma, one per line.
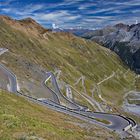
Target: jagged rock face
(121,38)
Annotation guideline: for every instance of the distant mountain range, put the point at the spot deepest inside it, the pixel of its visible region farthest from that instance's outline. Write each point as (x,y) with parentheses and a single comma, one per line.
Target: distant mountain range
(122,39)
(75,31)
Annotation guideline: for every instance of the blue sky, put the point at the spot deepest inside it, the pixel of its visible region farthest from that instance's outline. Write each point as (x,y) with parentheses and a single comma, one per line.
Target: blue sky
(74,13)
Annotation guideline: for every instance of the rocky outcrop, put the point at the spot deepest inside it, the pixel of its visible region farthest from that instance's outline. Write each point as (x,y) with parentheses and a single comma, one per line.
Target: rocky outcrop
(121,38)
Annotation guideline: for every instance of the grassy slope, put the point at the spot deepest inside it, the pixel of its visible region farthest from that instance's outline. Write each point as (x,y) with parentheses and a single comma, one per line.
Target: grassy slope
(20,119)
(74,56)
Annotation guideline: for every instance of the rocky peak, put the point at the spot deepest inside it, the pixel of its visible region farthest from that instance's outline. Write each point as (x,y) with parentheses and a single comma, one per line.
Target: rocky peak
(123,26)
(3,17)
(29,21)
(7,19)
(27,25)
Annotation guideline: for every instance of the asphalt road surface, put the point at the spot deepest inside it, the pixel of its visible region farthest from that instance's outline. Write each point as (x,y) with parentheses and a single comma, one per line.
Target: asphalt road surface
(11,78)
(117,123)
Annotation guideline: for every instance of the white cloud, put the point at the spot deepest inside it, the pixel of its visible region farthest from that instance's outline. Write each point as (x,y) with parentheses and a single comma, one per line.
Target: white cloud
(3,3)
(25,10)
(61,18)
(6,10)
(89,14)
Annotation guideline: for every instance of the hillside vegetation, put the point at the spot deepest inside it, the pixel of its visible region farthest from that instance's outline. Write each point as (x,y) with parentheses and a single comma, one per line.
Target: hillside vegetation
(23,120)
(33,50)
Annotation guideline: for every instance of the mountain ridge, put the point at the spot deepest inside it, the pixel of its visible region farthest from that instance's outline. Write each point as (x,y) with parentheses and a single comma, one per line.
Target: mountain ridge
(121,38)
(32,53)
(28,25)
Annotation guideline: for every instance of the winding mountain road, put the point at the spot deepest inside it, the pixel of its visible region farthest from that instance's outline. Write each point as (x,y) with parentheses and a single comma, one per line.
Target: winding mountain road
(12,86)
(12,82)
(57,91)
(116,122)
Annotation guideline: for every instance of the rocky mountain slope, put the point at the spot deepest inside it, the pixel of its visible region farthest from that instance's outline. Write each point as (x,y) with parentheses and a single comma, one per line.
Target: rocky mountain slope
(33,50)
(88,67)
(121,38)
